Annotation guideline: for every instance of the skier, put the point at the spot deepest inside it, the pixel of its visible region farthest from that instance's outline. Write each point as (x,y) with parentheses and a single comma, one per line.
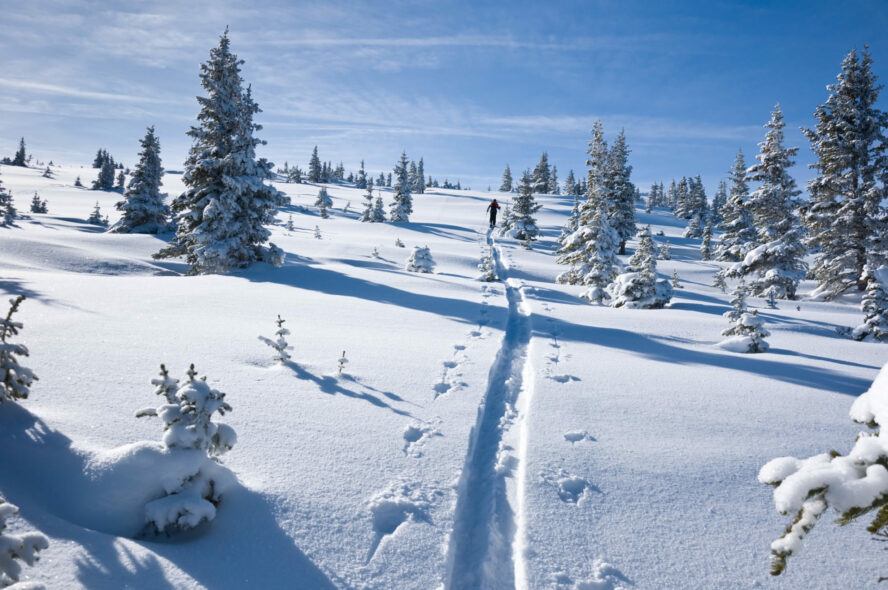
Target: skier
(493,208)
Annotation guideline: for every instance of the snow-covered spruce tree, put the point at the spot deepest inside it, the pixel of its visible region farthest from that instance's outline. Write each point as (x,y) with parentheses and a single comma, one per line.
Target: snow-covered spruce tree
(411,176)
(47,173)
(317,233)
(778,262)
(38,205)
(675,280)
(718,281)
(738,234)
(506,221)
(78,183)
(573,222)
(683,207)
(188,425)
(420,185)
(323,202)
(706,243)
(846,221)
(15,548)
(95,218)
(121,181)
(220,218)
(105,180)
(853,485)
(570,184)
(7,209)
(874,307)
(595,264)
(367,213)
(554,189)
(506,185)
(639,287)
(747,335)
(402,205)
(665,251)
(314,166)
(420,260)
(694,229)
(17,380)
(718,203)
(378,215)
(143,207)
(541,174)
(738,302)
(20,158)
(621,190)
(279,344)
(522,221)
(361,178)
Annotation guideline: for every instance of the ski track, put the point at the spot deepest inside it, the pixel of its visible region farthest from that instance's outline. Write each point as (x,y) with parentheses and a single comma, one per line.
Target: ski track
(486,548)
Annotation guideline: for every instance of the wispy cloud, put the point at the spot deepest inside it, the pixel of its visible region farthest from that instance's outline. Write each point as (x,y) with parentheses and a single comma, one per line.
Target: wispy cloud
(68,91)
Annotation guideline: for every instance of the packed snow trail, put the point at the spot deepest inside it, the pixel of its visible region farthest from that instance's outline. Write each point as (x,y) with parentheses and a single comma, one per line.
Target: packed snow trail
(487,513)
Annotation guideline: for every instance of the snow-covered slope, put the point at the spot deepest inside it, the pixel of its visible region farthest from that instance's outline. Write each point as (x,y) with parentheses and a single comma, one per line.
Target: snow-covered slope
(503,434)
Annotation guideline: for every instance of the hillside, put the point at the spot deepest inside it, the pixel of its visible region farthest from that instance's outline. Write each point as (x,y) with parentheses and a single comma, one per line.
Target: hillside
(506,431)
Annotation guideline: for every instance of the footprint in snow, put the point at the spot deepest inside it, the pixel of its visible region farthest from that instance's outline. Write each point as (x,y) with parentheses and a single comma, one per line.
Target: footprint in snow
(570,488)
(404,503)
(415,436)
(563,378)
(575,436)
(603,576)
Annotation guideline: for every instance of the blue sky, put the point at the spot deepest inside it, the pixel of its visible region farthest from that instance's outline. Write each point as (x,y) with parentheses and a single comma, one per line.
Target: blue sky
(470,86)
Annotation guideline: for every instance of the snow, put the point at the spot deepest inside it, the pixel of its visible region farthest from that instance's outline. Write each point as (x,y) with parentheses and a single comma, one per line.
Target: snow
(506,431)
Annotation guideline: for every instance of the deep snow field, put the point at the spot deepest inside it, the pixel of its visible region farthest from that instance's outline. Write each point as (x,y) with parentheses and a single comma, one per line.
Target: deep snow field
(496,435)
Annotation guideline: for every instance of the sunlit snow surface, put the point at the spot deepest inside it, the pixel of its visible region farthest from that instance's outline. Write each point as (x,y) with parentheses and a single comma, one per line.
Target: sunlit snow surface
(591,447)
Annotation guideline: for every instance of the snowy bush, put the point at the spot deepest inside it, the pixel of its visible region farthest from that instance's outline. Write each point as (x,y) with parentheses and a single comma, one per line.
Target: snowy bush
(279,344)
(487,269)
(22,547)
(665,251)
(16,379)
(187,415)
(420,260)
(853,485)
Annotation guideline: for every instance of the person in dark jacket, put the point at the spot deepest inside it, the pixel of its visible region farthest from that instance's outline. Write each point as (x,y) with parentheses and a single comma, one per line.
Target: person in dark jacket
(493,208)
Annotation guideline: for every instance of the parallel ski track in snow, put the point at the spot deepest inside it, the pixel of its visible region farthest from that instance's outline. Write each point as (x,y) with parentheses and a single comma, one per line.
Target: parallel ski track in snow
(487,517)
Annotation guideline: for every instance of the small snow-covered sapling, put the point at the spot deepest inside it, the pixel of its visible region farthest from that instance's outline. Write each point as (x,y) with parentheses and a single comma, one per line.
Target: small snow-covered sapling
(38,206)
(676,281)
(289,225)
(77,183)
(17,379)
(317,232)
(772,298)
(22,547)
(279,344)
(374,253)
(47,173)
(665,251)
(342,362)
(718,280)
(96,217)
(399,243)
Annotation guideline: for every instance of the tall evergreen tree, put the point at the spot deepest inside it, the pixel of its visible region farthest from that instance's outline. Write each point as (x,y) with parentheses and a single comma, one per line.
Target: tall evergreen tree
(420,178)
(105,179)
(738,233)
(554,189)
(622,191)
(314,166)
(595,263)
(778,262)
(570,184)
(874,306)
(522,221)
(541,175)
(367,213)
(361,180)
(323,202)
(506,185)
(402,205)
(143,207)
(684,209)
(846,220)
(20,158)
(220,217)
(718,202)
